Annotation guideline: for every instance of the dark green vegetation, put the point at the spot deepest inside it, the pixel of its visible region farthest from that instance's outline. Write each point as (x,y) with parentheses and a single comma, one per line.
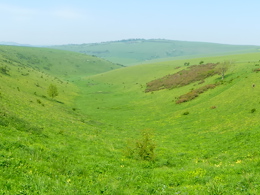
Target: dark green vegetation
(104,135)
(52,91)
(136,51)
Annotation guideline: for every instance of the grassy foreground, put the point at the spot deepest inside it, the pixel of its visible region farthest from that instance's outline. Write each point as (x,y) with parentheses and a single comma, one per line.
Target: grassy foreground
(77,143)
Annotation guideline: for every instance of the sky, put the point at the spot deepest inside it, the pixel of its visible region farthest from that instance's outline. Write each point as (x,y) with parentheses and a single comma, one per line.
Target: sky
(57,22)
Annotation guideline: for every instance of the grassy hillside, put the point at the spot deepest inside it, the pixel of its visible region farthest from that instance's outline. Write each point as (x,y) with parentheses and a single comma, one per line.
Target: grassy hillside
(209,145)
(45,144)
(136,51)
(104,135)
(59,63)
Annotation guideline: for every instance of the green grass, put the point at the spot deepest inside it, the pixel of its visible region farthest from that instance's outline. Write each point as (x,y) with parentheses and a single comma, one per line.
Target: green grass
(209,151)
(77,142)
(64,64)
(137,51)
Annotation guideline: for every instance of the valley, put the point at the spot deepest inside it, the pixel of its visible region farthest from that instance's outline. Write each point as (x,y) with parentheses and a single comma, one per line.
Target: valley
(105,133)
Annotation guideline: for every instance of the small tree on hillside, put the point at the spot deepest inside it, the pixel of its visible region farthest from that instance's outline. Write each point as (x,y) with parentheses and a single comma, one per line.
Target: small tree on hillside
(223,67)
(52,91)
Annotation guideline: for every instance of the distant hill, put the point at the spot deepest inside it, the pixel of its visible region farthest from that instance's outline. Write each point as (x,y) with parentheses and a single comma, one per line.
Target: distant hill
(14,44)
(56,62)
(136,51)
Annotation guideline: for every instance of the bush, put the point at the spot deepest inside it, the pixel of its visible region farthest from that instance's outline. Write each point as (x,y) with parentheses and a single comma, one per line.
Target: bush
(186,113)
(4,70)
(142,149)
(52,91)
(253,110)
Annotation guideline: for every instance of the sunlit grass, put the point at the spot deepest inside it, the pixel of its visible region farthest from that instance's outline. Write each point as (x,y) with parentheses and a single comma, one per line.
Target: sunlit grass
(75,143)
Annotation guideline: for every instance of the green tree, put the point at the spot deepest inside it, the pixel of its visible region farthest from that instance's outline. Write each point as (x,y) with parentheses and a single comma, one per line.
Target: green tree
(52,91)
(223,68)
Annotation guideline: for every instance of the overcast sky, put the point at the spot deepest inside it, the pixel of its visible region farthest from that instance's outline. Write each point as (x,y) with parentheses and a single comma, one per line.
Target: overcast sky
(52,22)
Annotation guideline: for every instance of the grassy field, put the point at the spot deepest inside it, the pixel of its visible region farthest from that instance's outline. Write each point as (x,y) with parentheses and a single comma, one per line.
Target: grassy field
(136,51)
(81,141)
(211,150)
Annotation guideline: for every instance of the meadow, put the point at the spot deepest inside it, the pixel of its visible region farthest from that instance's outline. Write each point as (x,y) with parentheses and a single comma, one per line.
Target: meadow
(88,139)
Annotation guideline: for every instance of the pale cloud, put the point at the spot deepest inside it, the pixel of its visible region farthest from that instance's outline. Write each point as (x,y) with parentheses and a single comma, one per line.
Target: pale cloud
(11,9)
(68,14)
(17,13)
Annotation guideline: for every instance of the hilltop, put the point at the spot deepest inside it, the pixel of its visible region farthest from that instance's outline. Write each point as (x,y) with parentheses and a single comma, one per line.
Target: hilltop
(109,132)
(136,51)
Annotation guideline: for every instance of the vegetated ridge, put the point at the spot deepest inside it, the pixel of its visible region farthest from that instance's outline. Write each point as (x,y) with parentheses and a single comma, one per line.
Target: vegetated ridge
(136,51)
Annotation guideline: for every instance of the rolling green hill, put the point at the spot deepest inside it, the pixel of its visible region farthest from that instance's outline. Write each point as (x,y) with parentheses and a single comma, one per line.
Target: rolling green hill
(105,134)
(56,62)
(136,51)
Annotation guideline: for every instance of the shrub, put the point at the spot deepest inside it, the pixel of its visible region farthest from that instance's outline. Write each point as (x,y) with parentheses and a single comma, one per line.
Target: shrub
(4,70)
(52,91)
(186,113)
(142,149)
(253,110)
(38,101)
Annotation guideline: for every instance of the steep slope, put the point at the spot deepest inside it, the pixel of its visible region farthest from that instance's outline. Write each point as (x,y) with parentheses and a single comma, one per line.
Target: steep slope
(136,51)
(46,145)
